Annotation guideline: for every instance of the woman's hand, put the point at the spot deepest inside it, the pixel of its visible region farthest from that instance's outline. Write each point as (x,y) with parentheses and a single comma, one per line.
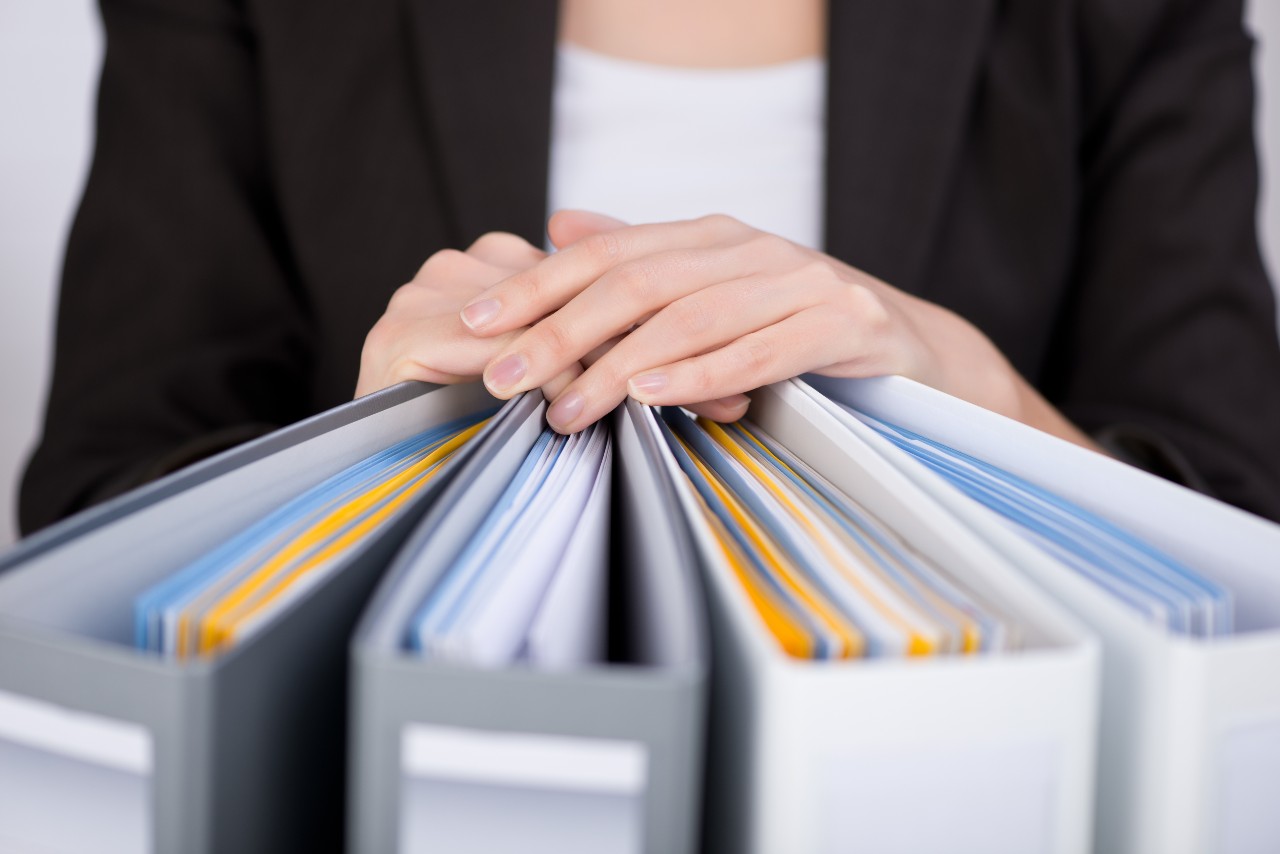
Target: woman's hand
(709,309)
(421,336)
(695,313)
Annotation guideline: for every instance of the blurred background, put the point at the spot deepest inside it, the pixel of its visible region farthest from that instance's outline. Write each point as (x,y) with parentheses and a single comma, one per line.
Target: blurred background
(49,58)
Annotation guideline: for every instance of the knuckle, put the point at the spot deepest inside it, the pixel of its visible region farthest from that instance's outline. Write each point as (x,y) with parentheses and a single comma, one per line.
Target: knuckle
(607,375)
(402,298)
(692,318)
(719,223)
(603,247)
(700,380)
(445,262)
(376,342)
(503,249)
(773,247)
(635,284)
(403,369)
(753,291)
(496,241)
(816,270)
(380,352)
(755,355)
(866,307)
(555,339)
(528,288)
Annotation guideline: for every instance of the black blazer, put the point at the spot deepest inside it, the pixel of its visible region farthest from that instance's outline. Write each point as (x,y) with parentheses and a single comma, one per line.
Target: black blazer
(1076,177)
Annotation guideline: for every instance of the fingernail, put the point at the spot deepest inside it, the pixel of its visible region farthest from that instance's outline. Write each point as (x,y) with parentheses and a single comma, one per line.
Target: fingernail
(735,401)
(480,314)
(647,384)
(563,412)
(507,372)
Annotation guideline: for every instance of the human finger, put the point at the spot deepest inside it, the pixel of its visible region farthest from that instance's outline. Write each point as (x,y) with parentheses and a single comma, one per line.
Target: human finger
(508,251)
(529,295)
(641,290)
(554,387)
(512,252)
(698,323)
(569,226)
(434,349)
(775,353)
(725,410)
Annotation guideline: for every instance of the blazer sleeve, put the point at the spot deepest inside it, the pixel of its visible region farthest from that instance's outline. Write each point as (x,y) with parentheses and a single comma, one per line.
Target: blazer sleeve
(1168,344)
(181,328)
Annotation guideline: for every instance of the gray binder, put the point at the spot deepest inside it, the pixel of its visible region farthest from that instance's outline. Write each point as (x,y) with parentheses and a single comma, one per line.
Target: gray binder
(624,739)
(241,753)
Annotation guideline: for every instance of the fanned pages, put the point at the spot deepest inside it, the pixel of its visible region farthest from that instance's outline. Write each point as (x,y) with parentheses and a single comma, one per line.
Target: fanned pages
(232,591)
(826,577)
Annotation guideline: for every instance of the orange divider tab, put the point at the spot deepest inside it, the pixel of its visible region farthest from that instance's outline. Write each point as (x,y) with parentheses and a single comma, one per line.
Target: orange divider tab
(217,629)
(917,644)
(851,643)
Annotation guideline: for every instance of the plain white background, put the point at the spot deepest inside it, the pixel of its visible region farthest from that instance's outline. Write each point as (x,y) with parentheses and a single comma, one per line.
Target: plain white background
(50,51)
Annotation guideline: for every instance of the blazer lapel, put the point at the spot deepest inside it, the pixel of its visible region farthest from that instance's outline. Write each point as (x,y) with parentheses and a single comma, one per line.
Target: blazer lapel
(485,69)
(901,81)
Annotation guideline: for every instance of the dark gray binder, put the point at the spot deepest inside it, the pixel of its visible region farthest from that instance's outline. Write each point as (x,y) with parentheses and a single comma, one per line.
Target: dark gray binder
(245,751)
(647,703)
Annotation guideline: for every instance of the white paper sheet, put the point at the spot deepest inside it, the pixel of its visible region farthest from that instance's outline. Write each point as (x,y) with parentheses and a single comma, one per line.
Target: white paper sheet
(569,628)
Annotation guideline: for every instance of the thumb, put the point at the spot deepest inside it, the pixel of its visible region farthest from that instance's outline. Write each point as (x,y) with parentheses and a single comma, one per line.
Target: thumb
(567,227)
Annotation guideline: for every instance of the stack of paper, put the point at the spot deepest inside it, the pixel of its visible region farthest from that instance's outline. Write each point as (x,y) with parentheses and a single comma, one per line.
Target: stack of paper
(529,585)
(1136,573)
(234,590)
(827,578)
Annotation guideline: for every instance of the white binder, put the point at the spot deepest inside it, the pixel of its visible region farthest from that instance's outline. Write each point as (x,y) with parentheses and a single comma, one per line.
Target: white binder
(981,754)
(1189,759)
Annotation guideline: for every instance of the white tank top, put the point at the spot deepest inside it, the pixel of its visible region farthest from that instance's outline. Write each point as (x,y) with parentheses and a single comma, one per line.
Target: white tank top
(648,143)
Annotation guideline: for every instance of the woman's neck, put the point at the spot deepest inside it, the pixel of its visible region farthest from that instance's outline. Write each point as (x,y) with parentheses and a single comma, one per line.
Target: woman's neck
(697,33)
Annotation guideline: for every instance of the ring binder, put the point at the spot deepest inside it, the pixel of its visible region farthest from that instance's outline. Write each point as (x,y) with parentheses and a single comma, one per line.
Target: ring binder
(644,706)
(1189,746)
(617,672)
(248,747)
(818,755)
